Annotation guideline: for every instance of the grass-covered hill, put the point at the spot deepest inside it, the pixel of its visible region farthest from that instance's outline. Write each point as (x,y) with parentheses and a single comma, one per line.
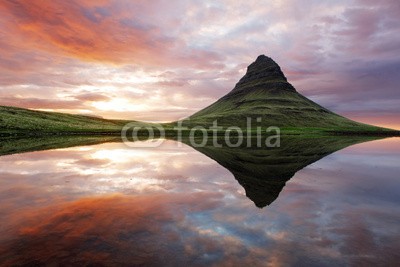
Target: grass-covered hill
(265,93)
(19,121)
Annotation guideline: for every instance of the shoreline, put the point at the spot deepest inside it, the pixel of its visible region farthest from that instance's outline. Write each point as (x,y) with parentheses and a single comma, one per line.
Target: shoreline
(174,133)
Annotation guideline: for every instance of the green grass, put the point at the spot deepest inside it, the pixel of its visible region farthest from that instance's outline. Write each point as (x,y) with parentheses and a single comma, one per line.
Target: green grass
(19,121)
(263,95)
(24,122)
(277,107)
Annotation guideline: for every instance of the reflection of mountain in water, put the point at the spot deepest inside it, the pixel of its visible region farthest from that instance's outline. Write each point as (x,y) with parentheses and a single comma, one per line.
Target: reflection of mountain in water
(263,172)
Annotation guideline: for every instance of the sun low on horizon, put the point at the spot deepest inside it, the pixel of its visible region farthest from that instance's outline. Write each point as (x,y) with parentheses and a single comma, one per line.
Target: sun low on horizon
(162,61)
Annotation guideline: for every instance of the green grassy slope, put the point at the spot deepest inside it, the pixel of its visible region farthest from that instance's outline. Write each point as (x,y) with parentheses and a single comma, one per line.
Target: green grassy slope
(265,93)
(278,107)
(19,121)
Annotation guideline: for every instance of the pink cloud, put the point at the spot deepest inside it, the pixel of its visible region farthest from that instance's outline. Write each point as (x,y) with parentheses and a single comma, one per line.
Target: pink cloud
(196,51)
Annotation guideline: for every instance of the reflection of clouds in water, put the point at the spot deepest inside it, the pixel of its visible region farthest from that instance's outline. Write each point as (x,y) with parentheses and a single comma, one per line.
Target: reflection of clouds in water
(172,229)
(182,208)
(119,229)
(345,209)
(111,168)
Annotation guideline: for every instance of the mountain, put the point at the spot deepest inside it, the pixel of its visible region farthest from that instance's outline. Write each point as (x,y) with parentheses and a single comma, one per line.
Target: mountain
(265,93)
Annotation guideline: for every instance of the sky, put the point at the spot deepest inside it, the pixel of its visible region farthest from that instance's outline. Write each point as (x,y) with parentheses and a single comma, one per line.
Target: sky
(164,60)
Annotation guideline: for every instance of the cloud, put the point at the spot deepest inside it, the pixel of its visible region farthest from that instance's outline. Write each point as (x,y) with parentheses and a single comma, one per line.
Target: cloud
(183,55)
(100,32)
(41,103)
(92,97)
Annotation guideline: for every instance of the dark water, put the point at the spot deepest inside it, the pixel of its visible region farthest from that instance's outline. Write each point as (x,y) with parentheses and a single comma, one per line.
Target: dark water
(110,205)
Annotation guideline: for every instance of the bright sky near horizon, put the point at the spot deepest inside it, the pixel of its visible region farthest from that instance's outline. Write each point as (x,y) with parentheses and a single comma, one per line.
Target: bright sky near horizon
(164,60)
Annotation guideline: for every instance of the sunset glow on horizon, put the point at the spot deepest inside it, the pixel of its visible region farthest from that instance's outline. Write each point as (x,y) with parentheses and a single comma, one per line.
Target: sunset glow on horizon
(165,60)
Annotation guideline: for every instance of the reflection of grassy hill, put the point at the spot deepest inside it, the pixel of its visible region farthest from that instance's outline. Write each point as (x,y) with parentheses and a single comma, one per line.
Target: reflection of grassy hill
(263,172)
(21,145)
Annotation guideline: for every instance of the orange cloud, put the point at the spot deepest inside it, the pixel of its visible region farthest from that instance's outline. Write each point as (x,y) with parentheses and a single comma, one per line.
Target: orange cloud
(64,25)
(97,31)
(50,48)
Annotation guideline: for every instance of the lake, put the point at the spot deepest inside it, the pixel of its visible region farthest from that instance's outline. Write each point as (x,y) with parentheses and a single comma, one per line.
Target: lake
(330,202)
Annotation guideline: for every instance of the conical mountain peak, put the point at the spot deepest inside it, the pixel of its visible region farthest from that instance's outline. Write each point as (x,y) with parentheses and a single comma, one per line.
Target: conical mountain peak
(264,72)
(265,94)
(265,61)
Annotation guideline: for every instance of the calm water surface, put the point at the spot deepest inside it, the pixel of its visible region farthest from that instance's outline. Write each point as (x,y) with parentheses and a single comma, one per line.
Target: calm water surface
(112,205)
